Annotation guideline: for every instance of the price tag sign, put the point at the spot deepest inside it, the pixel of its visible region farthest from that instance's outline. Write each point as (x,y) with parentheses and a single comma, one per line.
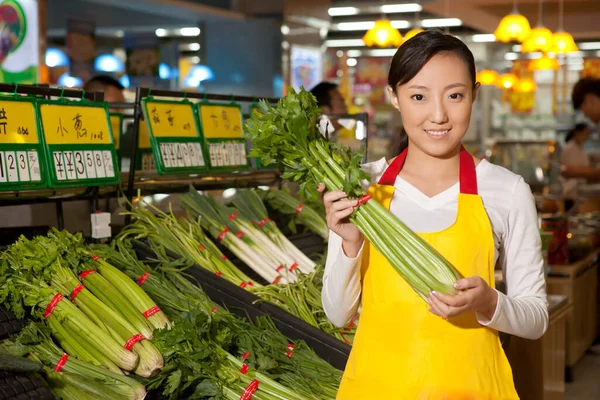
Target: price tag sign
(22,165)
(79,144)
(176,141)
(222,129)
(116,124)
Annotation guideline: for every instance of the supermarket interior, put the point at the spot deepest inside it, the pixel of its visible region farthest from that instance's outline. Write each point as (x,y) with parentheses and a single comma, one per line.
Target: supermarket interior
(176,246)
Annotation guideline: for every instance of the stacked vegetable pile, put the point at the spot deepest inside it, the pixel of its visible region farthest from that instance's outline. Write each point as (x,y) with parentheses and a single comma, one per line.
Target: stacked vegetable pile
(288,134)
(208,353)
(247,232)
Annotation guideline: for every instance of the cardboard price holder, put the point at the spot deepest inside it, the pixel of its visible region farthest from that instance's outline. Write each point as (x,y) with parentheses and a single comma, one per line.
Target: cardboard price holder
(79,143)
(222,129)
(177,143)
(22,165)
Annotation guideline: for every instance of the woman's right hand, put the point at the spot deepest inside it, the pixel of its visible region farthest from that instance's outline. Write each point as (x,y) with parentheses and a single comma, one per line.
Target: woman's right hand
(337,211)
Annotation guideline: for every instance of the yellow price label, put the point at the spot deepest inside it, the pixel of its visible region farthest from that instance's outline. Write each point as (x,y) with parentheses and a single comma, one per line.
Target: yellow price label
(171,120)
(66,124)
(143,136)
(17,122)
(221,122)
(116,125)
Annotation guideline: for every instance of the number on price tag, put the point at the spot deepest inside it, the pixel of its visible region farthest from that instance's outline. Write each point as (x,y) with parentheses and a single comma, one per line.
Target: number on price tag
(69,165)
(90,164)
(3,171)
(80,164)
(99,164)
(199,154)
(34,166)
(108,164)
(186,154)
(59,165)
(11,164)
(22,165)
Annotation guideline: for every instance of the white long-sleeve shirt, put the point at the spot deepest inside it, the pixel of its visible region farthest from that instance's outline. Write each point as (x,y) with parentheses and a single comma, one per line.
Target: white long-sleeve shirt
(508,201)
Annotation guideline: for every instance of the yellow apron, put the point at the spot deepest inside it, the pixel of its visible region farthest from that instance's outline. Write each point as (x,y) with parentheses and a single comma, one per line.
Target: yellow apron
(401,350)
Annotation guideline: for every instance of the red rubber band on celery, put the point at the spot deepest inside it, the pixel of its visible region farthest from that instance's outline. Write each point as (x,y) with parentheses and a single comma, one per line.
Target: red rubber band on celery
(279,268)
(243,285)
(61,362)
(250,283)
(76,291)
(299,209)
(363,199)
(351,324)
(293,267)
(222,234)
(290,347)
(143,278)
(151,311)
(276,281)
(218,273)
(263,222)
(233,216)
(52,305)
(250,390)
(201,248)
(224,258)
(214,309)
(94,257)
(245,366)
(240,234)
(133,340)
(85,274)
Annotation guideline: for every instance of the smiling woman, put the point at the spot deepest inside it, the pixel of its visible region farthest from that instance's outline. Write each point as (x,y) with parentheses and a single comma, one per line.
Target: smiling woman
(475,214)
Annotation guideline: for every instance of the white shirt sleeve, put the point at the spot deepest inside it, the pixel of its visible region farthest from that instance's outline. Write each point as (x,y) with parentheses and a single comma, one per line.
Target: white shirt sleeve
(523,311)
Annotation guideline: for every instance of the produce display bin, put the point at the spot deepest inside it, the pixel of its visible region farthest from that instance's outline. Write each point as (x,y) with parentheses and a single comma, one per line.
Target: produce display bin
(9,324)
(23,387)
(246,304)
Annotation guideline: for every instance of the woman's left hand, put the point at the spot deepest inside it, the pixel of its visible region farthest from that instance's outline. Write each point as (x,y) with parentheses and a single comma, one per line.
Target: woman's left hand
(476,295)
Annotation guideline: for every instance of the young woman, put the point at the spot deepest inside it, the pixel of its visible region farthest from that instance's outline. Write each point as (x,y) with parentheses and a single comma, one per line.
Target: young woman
(474,213)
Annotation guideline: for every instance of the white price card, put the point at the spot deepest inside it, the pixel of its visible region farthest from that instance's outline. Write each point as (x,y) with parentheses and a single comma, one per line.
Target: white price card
(164,152)
(23,167)
(11,165)
(3,171)
(186,154)
(59,165)
(179,153)
(99,164)
(212,153)
(80,164)
(108,163)
(192,154)
(244,159)
(90,164)
(69,165)
(34,166)
(227,161)
(199,155)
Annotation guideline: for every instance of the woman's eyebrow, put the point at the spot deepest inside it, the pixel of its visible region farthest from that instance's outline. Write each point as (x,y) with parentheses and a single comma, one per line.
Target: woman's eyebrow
(452,86)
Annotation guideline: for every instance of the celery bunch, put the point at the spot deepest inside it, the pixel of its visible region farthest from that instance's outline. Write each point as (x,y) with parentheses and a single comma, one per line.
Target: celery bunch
(288,134)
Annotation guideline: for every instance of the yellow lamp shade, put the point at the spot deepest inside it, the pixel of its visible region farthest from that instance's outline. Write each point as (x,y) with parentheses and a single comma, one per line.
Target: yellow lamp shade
(513,27)
(412,33)
(539,40)
(562,42)
(507,81)
(383,34)
(487,77)
(525,85)
(543,63)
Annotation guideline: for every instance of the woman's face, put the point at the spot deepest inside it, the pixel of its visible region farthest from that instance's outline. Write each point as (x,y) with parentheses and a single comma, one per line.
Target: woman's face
(436,105)
(583,135)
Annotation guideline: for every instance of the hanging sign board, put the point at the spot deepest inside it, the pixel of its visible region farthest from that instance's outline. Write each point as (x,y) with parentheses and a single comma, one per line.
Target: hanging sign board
(222,129)
(22,164)
(116,124)
(176,141)
(79,144)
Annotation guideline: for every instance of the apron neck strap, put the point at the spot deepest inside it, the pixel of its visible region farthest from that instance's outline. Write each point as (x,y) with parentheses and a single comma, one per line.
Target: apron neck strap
(467,175)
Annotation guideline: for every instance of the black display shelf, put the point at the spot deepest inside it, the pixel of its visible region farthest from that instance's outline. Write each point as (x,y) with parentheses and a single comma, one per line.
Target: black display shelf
(246,304)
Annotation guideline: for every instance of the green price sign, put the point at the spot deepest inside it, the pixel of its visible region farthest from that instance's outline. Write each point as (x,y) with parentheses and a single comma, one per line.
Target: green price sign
(22,165)
(176,141)
(79,143)
(222,129)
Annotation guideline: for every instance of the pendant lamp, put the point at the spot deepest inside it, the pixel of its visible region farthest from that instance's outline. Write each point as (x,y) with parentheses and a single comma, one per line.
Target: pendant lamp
(487,77)
(383,34)
(540,38)
(507,81)
(525,85)
(562,42)
(513,27)
(544,63)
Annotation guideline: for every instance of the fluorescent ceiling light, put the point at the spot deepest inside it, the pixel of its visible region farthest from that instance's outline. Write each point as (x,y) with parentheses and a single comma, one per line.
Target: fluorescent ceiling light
(285,29)
(439,22)
(194,46)
(485,37)
(354,53)
(589,46)
(351,62)
(382,52)
(401,8)
(355,26)
(191,31)
(366,25)
(511,56)
(161,32)
(340,11)
(344,43)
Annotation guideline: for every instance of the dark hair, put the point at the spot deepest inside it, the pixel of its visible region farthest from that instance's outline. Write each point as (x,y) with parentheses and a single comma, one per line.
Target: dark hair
(322,93)
(412,56)
(582,88)
(103,82)
(578,128)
